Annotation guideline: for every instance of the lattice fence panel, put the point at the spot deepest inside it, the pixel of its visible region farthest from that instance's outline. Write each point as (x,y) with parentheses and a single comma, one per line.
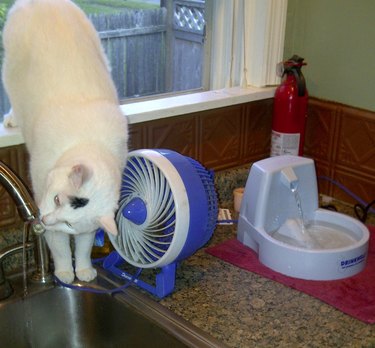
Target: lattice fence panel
(189,16)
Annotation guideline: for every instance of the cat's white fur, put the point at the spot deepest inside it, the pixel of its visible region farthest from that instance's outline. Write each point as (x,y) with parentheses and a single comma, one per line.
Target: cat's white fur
(64,100)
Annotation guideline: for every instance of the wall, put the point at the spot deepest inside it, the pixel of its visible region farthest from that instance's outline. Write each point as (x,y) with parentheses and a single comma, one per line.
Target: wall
(336,38)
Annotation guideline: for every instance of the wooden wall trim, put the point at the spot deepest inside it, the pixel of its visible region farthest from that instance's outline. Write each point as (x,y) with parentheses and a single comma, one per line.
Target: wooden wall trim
(341,140)
(220,139)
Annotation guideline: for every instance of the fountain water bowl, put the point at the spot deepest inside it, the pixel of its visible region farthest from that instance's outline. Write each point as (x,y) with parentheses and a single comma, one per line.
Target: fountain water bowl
(281,221)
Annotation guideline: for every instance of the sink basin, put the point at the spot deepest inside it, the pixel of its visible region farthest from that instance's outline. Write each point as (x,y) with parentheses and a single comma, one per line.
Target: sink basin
(61,317)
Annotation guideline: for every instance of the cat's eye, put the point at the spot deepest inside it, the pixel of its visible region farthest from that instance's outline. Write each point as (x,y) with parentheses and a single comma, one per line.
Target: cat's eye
(56,199)
(68,224)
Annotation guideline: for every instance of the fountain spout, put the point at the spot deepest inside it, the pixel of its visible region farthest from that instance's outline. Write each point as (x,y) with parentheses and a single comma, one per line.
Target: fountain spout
(289,179)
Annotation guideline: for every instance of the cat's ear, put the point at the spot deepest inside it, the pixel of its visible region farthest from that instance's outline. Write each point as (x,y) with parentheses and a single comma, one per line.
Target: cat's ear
(79,175)
(108,223)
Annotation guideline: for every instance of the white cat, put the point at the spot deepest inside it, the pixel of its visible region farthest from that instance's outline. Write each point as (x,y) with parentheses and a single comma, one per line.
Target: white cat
(64,100)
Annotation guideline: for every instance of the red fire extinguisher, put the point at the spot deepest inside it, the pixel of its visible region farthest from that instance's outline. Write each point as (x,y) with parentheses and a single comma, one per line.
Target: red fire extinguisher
(290,110)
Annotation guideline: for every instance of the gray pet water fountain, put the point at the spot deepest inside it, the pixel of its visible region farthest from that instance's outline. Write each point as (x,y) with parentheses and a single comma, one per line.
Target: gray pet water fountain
(281,221)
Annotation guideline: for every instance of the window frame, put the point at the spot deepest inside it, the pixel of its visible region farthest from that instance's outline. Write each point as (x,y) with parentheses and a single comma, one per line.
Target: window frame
(162,106)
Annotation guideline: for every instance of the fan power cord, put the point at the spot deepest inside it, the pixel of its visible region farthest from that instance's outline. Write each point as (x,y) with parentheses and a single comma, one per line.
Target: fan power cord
(362,208)
(225,217)
(99,291)
(362,211)
(227,222)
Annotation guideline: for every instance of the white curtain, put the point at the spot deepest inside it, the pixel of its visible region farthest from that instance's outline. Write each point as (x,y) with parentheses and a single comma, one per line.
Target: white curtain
(247,42)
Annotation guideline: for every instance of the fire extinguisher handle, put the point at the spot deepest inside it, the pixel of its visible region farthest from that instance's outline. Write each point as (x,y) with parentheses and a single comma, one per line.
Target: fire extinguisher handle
(301,83)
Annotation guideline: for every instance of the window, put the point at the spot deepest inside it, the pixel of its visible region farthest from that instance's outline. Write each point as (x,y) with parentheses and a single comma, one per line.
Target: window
(153,46)
(170,46)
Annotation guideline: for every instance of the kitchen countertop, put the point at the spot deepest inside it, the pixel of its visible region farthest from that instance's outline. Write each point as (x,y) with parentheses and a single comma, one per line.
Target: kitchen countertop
(243,309)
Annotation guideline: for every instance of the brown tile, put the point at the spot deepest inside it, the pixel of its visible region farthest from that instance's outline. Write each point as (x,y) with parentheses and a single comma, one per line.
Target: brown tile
(323,170)
(14,158)
(137,136)
(356,140)
(320,128)
(359,184)
(219,137)
(176,133)
(257,130)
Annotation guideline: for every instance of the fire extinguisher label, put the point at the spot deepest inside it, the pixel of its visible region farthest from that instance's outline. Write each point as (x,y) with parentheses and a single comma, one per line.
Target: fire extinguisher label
(284,143)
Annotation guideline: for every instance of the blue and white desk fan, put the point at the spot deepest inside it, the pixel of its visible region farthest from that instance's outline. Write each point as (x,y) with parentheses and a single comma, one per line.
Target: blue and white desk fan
(167,211)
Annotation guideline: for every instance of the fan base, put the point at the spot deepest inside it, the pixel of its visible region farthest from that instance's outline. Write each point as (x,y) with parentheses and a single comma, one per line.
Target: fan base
(164,280)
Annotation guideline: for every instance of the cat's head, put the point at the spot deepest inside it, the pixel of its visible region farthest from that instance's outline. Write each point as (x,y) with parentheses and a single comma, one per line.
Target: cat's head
(78,199)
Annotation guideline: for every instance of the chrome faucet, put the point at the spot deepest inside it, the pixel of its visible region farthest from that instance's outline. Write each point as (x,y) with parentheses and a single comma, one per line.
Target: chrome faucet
(28,211)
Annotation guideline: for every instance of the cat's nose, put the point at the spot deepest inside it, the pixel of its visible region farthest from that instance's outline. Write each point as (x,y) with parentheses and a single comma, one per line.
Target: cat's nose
(47,220)
(42,222)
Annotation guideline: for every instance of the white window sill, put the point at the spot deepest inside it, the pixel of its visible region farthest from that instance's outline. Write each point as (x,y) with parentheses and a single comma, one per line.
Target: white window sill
(167,107)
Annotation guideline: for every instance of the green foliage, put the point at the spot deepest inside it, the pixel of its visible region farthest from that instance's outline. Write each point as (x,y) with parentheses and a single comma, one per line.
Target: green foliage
(3,12)
(110,6)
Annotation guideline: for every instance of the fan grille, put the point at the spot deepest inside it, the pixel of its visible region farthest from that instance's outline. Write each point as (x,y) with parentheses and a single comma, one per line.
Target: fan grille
(146,242)
(167,210)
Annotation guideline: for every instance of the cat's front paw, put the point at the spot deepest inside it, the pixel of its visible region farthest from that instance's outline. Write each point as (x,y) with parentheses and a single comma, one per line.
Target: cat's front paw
(65,276)
(10,120)
(87,274)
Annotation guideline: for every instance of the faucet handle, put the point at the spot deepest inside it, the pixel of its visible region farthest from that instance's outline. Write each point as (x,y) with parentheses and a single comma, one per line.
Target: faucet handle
(38,227)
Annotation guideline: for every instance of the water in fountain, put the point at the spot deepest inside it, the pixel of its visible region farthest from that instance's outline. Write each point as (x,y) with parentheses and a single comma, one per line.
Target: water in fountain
(294,231)
(312,234)
(297,198)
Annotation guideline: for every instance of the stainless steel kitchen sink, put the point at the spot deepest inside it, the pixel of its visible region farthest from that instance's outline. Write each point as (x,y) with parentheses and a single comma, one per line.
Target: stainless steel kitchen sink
(61,317)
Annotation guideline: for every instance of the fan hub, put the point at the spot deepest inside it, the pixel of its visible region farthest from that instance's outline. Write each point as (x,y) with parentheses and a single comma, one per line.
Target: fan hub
(135,211)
